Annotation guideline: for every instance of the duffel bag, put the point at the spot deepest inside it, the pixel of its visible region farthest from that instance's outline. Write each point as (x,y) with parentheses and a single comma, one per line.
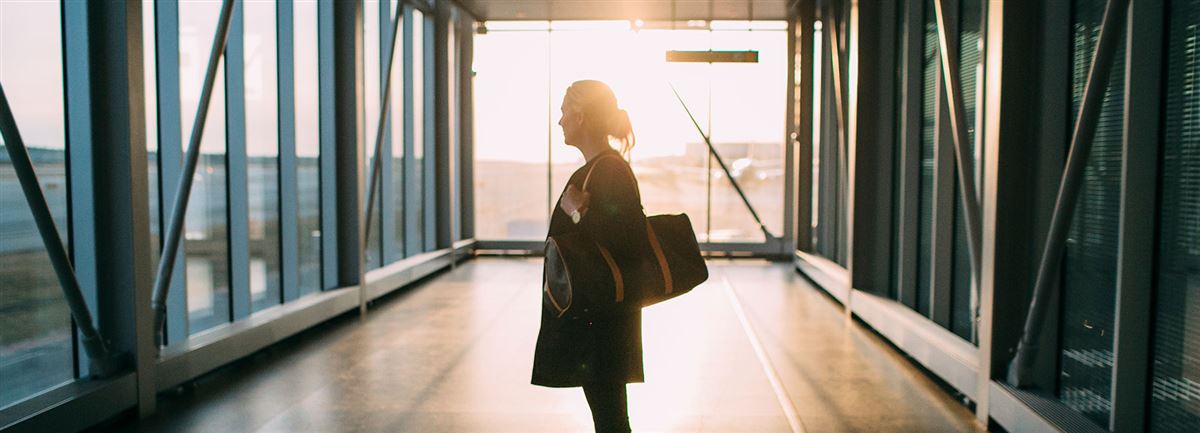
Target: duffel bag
(581,278)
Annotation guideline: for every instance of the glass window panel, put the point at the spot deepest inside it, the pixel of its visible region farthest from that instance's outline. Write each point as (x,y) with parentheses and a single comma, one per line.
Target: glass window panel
(205,228)
(308,150)
(396,116)
(511,134)
(262,151)
(1175,394)
(150,78)
(1089,266)
(750,140)
(417,186)
(371,91)
(929,101)
(36,352)
(671,159)
(969,73)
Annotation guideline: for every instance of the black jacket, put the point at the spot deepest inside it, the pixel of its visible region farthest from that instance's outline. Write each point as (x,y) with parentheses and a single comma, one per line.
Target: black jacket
(574,352)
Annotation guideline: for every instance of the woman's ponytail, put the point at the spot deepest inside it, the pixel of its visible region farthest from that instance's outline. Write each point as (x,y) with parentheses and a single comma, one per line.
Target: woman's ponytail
(621,129)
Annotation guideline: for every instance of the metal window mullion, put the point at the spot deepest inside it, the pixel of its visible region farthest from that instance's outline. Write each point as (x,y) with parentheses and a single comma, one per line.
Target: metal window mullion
(460,35)
(237,166)
(977,156)
(170,156)
(80,190)
(387,193)
(1135,261)
(289,196)
(910,153)
(467,137)
(328,147)
(942,236)
(412,196)
(442,25)
(346,55)
(119,147)
(790,146)
(428,182)
(802,160)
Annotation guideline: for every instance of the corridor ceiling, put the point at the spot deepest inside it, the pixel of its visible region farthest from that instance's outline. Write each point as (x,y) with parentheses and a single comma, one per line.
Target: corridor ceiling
(648,10)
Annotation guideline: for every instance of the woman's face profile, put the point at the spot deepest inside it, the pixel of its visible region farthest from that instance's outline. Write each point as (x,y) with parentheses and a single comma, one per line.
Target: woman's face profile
(571,122)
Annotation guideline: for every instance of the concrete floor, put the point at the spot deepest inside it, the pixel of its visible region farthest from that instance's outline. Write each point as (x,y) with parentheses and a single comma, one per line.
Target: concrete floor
(754,349)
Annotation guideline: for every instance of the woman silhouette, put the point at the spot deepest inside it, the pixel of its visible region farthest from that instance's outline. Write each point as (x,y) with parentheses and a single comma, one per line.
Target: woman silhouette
(601,354)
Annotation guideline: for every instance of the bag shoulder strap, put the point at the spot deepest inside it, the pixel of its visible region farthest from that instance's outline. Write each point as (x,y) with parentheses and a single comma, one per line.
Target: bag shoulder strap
(600,158)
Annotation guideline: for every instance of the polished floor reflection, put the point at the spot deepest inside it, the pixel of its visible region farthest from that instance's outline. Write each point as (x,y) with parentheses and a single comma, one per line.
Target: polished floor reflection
(755,349)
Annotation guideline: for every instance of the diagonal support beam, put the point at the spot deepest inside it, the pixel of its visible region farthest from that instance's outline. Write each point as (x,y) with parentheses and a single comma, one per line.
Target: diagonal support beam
(725,168)
(184,188)
(1020,371)
(377,166)
(964,160)
(102,362)
(839,92)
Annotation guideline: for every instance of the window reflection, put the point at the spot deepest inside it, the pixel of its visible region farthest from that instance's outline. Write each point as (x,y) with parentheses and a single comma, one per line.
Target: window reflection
(396,134)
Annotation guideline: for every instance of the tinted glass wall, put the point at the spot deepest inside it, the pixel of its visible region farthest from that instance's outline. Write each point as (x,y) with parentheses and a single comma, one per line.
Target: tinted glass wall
(1090,262)
(931,264)
(1175,385)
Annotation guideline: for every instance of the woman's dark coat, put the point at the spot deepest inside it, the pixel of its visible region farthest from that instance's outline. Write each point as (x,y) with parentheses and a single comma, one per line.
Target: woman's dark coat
(574,352)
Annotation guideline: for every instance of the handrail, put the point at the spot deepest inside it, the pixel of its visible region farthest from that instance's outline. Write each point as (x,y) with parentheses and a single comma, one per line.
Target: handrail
(101,361)
(1020,372)
(183,189)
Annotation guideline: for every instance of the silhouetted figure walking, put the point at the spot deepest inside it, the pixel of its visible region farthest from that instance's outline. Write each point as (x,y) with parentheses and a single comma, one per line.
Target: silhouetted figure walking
(602,354)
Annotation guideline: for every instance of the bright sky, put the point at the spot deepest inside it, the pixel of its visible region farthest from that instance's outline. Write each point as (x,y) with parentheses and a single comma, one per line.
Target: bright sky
(31,69)
(521,77)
